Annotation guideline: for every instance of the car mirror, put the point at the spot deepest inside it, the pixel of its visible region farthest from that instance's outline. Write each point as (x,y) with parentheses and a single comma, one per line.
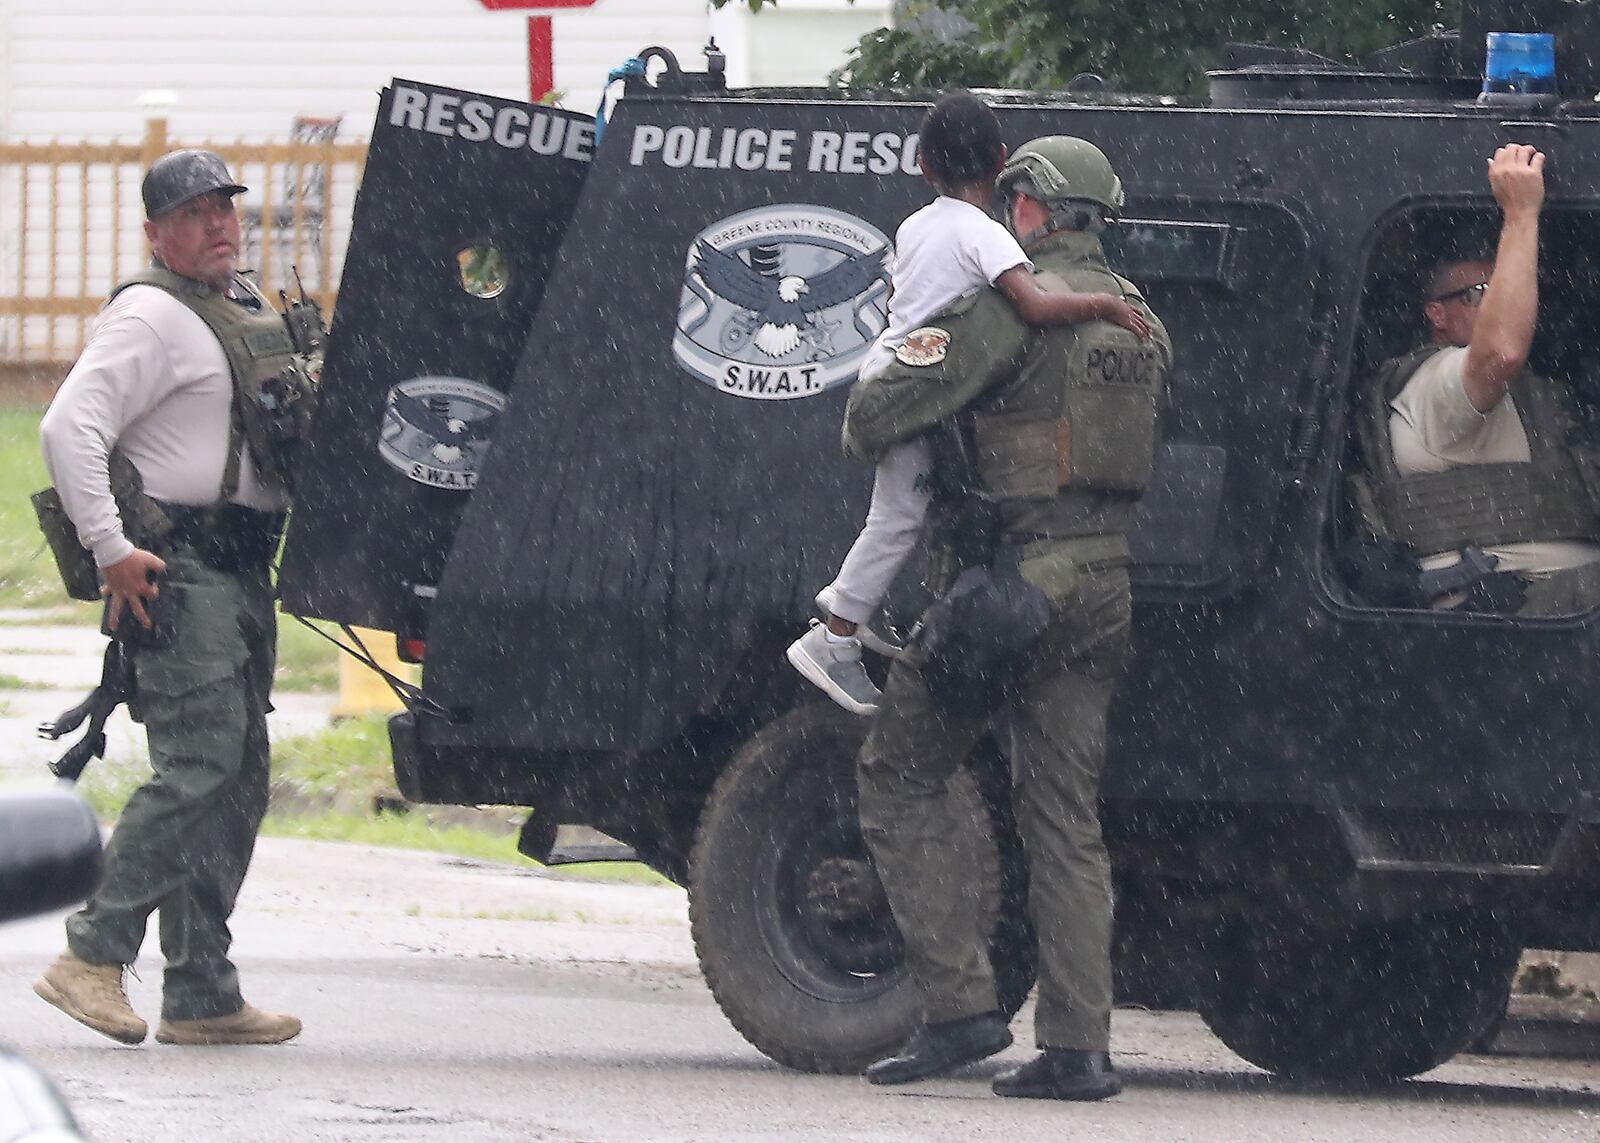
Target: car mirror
(49,852)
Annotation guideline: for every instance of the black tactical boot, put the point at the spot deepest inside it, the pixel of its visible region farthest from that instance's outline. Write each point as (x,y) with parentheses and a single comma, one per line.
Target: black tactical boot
(1061,1073)
(934,1049)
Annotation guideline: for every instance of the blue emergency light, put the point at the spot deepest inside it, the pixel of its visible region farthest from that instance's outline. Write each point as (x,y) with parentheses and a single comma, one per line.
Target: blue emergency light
(1520,63)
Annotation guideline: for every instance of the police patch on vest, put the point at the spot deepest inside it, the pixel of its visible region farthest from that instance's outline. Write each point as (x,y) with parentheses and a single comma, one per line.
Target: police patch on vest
(266,342)
(436,430)
(1114,365)
(925,346)
(781,302)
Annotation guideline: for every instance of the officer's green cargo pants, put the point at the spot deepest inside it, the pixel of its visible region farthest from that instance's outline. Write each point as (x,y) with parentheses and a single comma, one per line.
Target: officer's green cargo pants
(185,839)
(1058,727)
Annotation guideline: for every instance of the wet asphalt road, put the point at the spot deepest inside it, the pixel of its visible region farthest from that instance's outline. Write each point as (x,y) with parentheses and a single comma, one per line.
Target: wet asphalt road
(451,1001)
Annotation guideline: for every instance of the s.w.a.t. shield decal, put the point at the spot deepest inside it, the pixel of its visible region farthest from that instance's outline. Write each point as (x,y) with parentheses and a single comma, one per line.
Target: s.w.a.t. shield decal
(781,302)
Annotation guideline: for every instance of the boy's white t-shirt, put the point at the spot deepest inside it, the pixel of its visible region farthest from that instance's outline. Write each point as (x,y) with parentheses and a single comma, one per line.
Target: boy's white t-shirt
(943,252)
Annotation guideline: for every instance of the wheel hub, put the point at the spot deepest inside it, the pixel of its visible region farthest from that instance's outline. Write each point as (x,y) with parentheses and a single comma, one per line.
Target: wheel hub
(845,917)
(842,889)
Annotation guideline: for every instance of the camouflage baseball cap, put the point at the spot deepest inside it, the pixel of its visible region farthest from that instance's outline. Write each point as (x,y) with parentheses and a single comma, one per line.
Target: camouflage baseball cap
(179,176)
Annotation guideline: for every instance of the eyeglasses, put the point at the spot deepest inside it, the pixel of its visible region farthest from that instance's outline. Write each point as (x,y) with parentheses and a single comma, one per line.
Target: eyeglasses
(1472,294)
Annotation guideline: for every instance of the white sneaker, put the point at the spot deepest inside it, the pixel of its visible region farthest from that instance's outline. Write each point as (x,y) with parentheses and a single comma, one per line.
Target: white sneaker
(886,643)
(836,668)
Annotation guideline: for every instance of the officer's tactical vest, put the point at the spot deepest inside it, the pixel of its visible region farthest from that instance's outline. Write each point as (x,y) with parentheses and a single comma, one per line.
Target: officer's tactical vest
(1066,441)
(1552,497)
(1064,424)
(273,393)
(1078,424)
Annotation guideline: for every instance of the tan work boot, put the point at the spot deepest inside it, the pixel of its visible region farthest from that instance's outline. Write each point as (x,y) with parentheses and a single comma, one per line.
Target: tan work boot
(92,995)
(249,1025)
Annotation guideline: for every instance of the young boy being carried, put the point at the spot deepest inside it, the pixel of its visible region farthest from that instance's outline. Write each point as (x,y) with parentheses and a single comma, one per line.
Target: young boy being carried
(945,251)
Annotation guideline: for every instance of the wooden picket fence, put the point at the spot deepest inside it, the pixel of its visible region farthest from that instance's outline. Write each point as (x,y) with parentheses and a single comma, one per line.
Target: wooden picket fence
(71,226)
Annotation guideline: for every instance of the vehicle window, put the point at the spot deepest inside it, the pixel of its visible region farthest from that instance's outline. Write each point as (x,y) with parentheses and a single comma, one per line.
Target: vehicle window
(1214,272)
(1146,250)
(1373,557)
(483,270)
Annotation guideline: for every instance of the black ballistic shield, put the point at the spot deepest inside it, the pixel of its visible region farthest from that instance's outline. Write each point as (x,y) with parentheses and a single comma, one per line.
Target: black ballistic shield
(460,190)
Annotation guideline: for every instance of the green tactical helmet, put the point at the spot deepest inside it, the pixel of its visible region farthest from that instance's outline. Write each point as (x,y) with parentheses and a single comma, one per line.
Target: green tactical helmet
(1060,168)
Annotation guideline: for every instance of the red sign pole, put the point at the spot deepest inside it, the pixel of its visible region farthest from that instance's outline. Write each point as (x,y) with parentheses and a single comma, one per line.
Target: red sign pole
(541,39)
(541,58)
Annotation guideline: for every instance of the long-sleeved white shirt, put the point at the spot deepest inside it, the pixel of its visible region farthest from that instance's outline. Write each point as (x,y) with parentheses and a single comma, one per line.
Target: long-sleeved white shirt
(154,381)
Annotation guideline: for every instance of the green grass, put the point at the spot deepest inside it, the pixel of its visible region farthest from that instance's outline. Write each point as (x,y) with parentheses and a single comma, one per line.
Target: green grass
(13,683)
(306,661)
(414,831)
(352,757)
(353,754)
(27,573)
(399,831)
(108,783)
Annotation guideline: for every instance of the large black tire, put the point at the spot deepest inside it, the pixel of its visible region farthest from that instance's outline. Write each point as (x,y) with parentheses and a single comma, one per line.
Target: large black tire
(1367,1002)
(790,922)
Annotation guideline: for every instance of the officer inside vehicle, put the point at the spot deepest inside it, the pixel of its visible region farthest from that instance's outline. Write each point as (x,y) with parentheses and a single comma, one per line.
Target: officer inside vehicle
(1469,452)
(1063,424)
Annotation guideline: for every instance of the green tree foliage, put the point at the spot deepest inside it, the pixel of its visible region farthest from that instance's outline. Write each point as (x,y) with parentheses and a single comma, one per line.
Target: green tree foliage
(1161,46)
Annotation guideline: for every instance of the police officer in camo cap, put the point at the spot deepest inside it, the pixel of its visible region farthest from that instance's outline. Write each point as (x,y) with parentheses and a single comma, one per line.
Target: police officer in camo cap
(1063,419)
(165,446)
(179,176)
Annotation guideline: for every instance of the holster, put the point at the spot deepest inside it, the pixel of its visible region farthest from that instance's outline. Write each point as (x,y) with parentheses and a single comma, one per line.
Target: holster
(978,640)
(965,518)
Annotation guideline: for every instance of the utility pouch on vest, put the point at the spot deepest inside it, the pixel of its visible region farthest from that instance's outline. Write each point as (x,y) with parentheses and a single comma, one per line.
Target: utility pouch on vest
(143,522)
(1020,455)
(977,640)
(78,573)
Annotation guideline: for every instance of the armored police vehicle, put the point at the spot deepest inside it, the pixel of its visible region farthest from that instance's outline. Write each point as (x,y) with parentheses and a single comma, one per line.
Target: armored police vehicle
(595,495)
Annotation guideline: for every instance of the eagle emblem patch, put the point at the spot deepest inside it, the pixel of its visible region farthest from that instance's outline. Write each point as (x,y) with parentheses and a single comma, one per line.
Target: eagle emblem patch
(925,346)
(781,302)
(437,429)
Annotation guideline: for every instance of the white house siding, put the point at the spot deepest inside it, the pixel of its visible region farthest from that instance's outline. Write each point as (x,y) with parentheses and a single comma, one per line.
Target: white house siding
(96,70)
(76,69)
